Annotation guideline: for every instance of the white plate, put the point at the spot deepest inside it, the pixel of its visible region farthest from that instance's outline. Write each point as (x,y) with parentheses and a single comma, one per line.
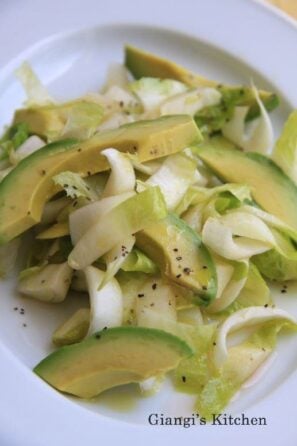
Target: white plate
(211,38)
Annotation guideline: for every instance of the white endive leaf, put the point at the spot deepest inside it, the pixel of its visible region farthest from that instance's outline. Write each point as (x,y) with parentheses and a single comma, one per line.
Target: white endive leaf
(242,319)
(256,136)
(116,257)
(220,238)
(231,279)
(31,145)
(106,304)
(122,177)
(82,219)
(174,177)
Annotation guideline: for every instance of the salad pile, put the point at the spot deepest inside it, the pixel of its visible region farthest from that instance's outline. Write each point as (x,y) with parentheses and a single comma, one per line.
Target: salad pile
(164,201)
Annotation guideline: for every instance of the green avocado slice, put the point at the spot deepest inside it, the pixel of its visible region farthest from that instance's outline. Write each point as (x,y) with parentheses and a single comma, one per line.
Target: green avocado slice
(143,64)
(111,358)
(25,190)
(181,256)
(270,186)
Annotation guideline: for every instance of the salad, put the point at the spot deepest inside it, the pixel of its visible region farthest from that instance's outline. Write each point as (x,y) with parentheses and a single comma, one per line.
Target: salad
(163,199)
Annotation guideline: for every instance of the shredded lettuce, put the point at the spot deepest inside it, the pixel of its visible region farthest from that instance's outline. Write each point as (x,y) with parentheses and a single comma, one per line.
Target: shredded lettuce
(74,185)
(153,91)
(254,293)
(81,119)
(13,138)
(201,195)
(280,263)
(37,94)
(174,177)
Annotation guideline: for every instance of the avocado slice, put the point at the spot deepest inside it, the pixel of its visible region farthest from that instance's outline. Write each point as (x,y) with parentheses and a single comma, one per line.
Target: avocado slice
(178,251)
(143,64)
(73,329)
(270,186)
(111,358)
(21,207)
(50,120)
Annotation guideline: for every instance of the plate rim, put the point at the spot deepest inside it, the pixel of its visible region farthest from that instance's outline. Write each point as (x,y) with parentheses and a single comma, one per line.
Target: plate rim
(55,403)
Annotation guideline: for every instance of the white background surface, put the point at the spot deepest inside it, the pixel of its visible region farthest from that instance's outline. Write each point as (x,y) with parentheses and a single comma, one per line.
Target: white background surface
(31,414)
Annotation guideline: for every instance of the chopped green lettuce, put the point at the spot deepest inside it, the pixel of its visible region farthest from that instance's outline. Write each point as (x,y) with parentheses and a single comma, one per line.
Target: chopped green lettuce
(74,185)
(37,94)
(14,137)
(153,91)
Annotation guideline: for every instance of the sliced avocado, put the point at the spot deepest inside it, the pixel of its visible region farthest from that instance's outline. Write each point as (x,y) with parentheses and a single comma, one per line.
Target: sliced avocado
(144,64)
(180,255)
(50,120)
(48,284)
(270,187)
(59,229)
(111,358)
(74,329)
(21,207)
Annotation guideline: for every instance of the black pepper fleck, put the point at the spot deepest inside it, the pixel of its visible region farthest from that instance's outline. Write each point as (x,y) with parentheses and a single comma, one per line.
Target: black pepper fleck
(154,286)
(184,379)
(140,295)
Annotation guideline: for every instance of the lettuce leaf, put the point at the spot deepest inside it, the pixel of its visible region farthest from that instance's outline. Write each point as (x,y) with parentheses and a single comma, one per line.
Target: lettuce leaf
(278,264)
(174,177)
(37,94)
(153,91)
(13,138)
(74,185)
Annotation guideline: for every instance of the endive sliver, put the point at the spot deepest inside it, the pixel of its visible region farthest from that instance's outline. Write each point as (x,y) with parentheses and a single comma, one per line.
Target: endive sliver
(219,238)
(244,318)
(127,218)
(247,225)
(122,177)
(82,219)
(116,257)
(257,136)
(174,177)
(106,304)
